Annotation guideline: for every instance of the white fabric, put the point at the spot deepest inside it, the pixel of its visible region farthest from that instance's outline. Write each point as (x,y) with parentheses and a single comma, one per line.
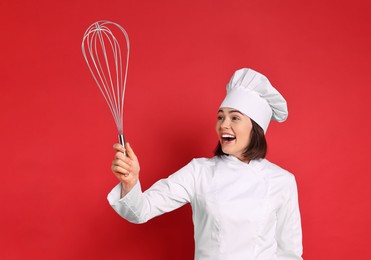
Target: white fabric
(252,94)
(240,211)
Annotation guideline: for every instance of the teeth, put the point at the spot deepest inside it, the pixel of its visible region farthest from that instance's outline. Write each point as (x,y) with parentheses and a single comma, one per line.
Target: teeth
(227,136)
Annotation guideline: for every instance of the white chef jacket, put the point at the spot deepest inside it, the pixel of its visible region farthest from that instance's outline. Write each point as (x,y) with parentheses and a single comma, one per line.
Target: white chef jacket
(240,211)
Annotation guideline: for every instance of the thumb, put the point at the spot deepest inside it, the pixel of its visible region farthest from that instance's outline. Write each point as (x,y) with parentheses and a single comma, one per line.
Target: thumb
(130,152)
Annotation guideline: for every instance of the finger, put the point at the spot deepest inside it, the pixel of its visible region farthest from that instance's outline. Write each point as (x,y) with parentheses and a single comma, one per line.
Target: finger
(119,170)
(125,164)
(119,148)
(123,177)
(119,156)
(130,152)
(122,164)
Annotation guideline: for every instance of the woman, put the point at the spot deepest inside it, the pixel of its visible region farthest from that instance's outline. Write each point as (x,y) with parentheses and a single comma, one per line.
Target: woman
(244,207)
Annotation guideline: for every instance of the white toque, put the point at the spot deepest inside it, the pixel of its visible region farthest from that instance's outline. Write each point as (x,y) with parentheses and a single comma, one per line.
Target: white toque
(252,94)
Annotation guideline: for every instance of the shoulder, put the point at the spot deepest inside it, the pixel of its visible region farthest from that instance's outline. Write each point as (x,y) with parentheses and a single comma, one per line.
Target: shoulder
(203,162)
(194,170)
(201,166)
(197,165)
(273,171)
(281,181)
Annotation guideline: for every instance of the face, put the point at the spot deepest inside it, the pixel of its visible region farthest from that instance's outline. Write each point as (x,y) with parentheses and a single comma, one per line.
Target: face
(234,131)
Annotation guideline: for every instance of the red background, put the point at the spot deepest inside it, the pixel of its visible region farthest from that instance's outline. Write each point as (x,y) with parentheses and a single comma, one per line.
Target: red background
(57,132)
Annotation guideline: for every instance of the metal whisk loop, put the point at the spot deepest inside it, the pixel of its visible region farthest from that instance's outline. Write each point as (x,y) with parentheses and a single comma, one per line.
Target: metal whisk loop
(102,52)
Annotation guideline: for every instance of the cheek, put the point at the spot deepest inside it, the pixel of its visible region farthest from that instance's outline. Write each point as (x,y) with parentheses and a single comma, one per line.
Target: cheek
(246,136)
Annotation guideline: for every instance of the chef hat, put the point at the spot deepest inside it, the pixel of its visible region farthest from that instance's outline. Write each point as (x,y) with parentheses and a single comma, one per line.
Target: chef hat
(252,94)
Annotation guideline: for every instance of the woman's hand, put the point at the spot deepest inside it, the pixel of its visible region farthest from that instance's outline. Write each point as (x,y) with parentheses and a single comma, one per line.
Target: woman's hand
(125,167)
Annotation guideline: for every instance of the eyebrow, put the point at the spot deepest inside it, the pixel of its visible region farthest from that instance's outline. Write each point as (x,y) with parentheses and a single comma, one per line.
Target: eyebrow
(230,111)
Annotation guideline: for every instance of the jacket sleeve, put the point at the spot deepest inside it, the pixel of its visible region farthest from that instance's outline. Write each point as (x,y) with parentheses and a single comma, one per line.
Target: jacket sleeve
(164,196)
(288,233)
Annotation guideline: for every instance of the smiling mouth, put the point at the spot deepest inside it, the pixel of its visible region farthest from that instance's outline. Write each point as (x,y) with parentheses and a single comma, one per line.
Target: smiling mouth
(227,138)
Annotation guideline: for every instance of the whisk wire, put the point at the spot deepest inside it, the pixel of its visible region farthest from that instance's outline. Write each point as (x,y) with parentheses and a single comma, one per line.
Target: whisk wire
(110,93)
(94,51)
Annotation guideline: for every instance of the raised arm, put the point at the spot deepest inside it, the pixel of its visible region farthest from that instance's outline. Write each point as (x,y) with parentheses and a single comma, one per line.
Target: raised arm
(128,200)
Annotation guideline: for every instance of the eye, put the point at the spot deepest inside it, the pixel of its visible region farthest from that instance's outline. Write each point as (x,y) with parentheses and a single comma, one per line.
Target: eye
(219,118)
(234,118)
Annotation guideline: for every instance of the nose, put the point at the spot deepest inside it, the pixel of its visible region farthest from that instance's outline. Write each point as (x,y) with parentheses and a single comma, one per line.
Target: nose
(225,124)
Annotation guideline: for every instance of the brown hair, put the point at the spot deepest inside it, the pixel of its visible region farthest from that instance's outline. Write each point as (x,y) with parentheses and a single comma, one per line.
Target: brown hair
(257,148)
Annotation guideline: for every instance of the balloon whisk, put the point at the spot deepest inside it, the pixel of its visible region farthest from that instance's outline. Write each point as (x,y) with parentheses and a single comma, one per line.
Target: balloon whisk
(108,65)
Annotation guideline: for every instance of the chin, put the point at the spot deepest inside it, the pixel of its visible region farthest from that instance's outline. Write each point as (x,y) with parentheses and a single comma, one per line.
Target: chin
(226,151)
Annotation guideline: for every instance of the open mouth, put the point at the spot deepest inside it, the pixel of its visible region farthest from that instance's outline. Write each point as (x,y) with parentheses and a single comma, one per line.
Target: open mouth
(227,138)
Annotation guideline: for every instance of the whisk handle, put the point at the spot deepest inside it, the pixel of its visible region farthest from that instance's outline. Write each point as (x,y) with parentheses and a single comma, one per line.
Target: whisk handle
(122,140)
